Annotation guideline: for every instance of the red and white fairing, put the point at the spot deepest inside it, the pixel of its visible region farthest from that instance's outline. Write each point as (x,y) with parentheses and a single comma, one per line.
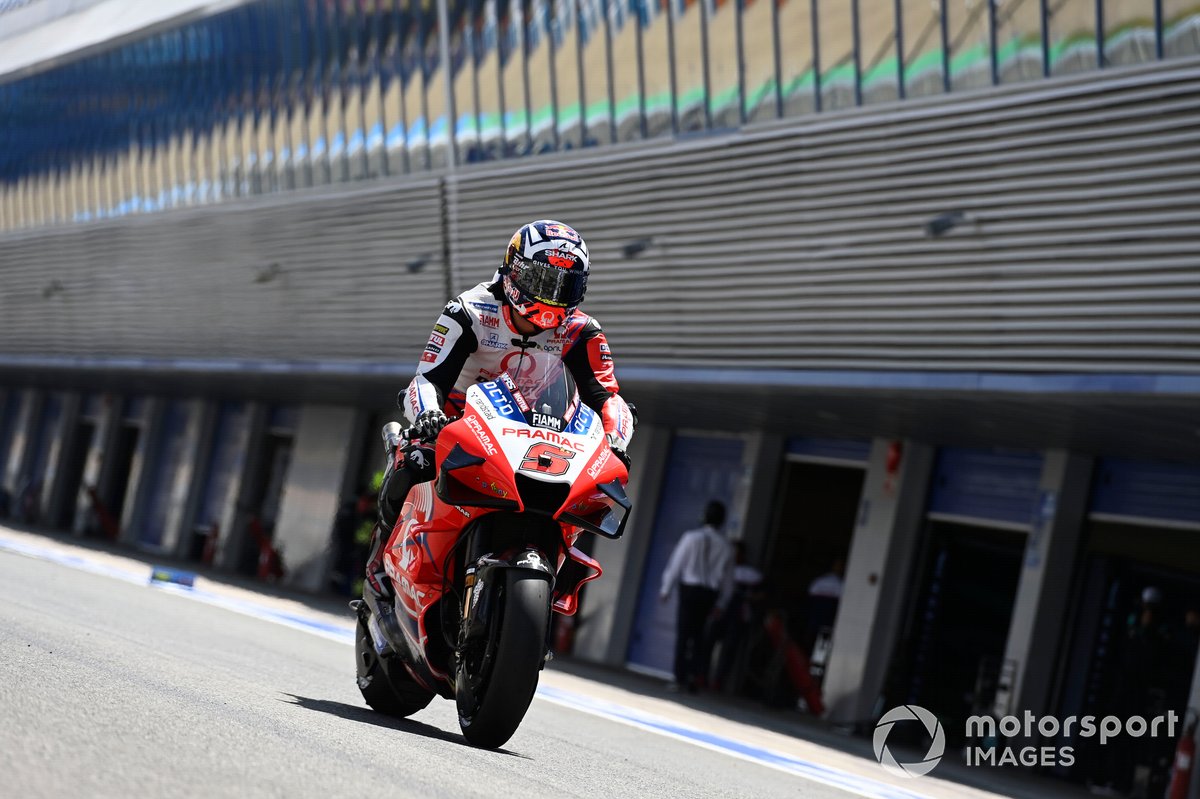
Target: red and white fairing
(498,445)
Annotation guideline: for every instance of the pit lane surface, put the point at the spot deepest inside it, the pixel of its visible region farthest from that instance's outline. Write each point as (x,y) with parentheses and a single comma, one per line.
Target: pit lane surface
(111,688)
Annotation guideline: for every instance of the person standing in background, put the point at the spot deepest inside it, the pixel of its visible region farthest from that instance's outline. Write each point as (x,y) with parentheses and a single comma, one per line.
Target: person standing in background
(702,565)
(824,594)
(742,615)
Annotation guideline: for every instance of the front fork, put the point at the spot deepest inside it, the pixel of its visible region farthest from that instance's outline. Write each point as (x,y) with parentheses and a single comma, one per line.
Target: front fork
(481,582)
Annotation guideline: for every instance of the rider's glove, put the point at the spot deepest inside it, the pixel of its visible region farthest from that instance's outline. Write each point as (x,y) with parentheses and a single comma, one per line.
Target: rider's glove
(429,424)
(622,456)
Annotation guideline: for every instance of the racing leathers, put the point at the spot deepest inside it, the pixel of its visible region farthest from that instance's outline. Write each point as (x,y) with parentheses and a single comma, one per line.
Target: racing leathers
(474,340)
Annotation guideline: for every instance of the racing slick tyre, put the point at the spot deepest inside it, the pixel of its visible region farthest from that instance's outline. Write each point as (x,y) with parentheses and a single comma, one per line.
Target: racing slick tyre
(496,678)
(386,686)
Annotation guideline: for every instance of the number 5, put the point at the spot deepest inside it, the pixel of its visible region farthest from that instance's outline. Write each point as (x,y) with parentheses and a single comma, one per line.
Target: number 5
(547,459)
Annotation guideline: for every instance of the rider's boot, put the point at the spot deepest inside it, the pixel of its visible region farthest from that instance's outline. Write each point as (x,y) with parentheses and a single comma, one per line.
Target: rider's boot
(376,580)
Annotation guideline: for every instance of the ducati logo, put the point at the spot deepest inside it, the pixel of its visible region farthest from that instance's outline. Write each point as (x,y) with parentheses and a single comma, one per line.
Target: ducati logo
(513,360)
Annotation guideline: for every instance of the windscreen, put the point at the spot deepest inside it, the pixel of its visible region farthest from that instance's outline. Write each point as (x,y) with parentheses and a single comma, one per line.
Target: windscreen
(547,388)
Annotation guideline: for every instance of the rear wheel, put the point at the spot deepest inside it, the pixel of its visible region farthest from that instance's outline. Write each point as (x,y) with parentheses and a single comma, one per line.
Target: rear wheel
(498,674)
(385,685)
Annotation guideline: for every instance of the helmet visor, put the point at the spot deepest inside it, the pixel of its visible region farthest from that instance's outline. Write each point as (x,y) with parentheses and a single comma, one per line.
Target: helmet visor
(549,284)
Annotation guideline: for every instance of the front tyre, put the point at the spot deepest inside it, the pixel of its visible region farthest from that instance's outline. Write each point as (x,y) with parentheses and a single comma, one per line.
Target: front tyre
(386,686)
(497,676)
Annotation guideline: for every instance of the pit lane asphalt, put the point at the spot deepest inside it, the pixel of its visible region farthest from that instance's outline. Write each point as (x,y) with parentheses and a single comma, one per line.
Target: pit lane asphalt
(109,687)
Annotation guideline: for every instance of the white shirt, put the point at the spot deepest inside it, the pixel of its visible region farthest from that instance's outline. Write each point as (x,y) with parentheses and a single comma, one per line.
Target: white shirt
(827,585)
(702,557)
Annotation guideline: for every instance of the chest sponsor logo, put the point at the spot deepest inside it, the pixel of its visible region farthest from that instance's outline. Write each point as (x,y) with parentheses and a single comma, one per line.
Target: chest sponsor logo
(492,341)
(519,364)
(490,307)
(489,321)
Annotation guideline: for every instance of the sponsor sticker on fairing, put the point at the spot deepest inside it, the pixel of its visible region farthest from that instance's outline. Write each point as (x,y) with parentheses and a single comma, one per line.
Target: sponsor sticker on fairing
(485,440)
(599,464)
(486,411)
(547,421)
(537,434)
(516,395)
(500,399)
(582,421)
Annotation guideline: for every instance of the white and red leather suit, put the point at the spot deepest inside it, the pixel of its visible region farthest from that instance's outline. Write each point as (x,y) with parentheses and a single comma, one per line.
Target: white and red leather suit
(474,340)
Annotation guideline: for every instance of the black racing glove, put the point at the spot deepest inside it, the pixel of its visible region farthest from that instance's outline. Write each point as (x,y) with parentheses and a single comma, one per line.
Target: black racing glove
(429,424)
(623,457)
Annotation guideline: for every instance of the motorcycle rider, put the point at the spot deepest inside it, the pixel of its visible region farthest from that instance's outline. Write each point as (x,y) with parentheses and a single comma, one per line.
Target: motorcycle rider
(531,303)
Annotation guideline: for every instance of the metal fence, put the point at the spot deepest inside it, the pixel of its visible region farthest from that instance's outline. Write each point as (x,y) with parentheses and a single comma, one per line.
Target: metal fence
(280,94)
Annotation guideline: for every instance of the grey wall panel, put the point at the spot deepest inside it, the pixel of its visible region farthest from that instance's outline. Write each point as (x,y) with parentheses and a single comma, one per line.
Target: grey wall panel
(806,247)
(297,278)
(795,245)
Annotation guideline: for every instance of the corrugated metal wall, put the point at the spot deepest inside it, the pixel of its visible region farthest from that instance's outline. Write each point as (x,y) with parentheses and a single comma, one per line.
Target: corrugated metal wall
(806,247)
(792,246)
(312,277)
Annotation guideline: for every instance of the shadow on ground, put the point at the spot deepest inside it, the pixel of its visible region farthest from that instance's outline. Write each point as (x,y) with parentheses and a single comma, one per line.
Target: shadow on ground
(367,716)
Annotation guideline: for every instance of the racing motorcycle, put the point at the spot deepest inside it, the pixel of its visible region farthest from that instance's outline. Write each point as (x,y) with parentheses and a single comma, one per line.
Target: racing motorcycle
(481,556)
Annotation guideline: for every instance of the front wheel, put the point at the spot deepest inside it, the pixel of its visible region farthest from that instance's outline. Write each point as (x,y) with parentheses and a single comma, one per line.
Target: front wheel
(497,675)
(385,685)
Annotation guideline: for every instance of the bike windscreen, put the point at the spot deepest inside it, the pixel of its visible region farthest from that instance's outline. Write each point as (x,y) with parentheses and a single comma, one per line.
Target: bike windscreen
(548,389)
